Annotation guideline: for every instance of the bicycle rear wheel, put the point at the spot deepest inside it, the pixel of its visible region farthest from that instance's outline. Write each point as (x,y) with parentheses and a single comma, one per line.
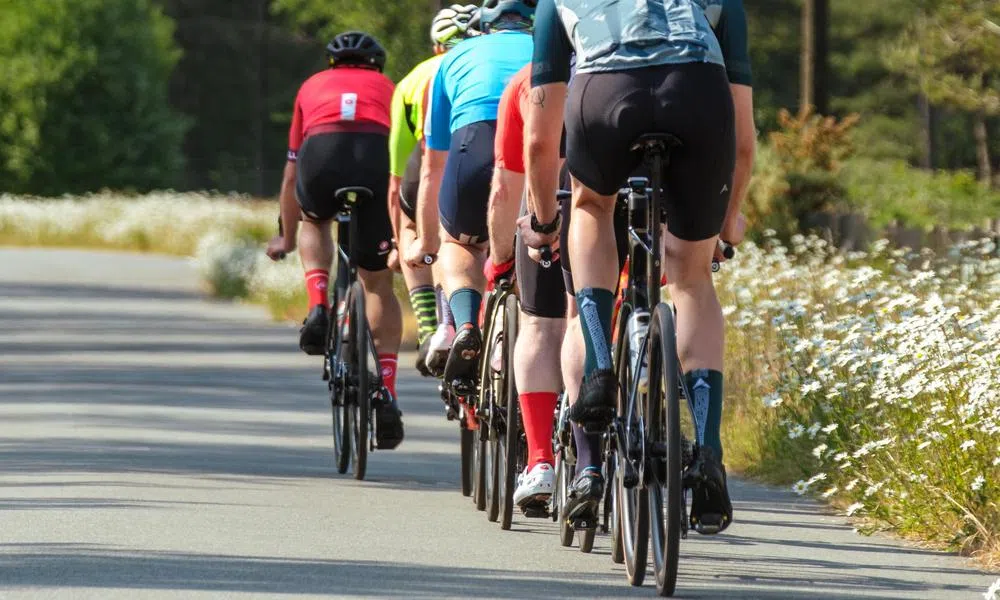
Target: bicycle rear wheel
(632,501)
(663,434)
(491,398)
(515,448)
(467,439)
(359,342)
(611,451)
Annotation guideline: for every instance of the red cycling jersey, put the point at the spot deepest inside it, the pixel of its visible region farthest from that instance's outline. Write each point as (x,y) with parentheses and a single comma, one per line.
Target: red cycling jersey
(508,149)
(344,95)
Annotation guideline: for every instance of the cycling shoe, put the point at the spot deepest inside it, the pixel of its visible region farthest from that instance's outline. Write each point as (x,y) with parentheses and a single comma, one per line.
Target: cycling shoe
(585,494)
(463,360)
(595,407)
(711,508)
(388,424)
(312,336)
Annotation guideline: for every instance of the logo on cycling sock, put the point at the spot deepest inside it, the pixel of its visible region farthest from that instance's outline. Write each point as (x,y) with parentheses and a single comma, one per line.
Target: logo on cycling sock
(588,312)
(701,393)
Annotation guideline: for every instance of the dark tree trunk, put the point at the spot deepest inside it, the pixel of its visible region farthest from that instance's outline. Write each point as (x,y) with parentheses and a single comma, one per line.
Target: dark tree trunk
(813,84)
(982,148)
(928,126)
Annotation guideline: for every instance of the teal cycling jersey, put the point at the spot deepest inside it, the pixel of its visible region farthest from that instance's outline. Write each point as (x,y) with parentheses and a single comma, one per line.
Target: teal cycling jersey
(470,81)
(609,36)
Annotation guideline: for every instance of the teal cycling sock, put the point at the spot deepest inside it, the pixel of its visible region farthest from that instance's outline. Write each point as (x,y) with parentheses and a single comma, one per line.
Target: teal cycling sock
(423,299)
(704,388)
(465,306)
(596,306)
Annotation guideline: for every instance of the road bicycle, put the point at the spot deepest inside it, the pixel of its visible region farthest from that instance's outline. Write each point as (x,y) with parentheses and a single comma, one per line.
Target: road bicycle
(351,366)
(649,439)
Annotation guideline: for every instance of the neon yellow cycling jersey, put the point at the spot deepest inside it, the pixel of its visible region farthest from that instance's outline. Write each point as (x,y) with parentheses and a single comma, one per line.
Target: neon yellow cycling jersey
(408,113)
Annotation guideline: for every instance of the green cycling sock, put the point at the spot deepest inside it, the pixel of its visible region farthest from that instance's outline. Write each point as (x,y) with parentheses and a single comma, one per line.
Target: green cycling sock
(423,299)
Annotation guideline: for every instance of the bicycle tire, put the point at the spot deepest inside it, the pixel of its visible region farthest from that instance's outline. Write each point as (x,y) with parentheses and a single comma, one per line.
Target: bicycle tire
(479,468)
(563,479)
(514,448)
(662,417)
(360,408)
(611,451)
(338,393)
(467,438)
(491,392)
(586,538)
(633,502)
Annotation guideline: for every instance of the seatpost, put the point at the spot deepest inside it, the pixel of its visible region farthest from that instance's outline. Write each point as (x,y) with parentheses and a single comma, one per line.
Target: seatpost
(655,212)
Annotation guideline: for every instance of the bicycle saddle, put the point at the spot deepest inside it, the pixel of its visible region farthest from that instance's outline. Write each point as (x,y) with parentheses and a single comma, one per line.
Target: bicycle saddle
(351,195)
(655,142)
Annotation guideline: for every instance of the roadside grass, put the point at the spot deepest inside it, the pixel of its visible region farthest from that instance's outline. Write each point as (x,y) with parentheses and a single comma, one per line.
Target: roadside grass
(871,381)
(877,390)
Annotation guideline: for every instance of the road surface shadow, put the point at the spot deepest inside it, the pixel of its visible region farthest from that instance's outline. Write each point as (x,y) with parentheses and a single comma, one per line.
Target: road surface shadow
(68,566)
(31,289)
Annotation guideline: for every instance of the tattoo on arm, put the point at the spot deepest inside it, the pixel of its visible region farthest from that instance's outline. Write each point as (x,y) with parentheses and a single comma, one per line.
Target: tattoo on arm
(538,97)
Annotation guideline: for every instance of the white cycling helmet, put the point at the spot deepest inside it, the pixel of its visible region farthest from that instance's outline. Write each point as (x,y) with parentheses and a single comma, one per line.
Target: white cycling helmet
(455,23)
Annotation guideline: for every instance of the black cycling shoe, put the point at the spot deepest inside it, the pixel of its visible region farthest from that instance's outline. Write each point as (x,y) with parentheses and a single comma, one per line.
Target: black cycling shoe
(595,408)
(388,424)
(711,509)
(312,336)
(463,360)
(422,358)
(585,494)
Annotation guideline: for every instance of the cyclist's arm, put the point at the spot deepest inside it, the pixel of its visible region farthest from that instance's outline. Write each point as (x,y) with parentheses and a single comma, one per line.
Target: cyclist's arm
(507,187)
(437,139)
(550,71)
(733,38)
(289,206)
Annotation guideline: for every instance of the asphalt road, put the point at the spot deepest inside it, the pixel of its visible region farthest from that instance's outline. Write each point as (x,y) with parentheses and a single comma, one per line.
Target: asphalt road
(156,444)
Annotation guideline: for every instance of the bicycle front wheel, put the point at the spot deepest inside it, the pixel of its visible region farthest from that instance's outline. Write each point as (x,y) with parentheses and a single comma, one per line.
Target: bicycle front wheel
(515,450)
(360,349)
(663,434)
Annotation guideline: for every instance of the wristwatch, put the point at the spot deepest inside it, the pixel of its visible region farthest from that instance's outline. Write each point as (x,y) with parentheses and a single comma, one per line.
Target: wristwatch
(546,228)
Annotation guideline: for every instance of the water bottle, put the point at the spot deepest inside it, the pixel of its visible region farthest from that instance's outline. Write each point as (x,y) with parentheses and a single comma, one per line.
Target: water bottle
(638,325)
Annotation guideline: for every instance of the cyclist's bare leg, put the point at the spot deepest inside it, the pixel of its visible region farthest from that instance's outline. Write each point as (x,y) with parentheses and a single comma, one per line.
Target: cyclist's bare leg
(572,352)
(536,371)
(462,269)
(687,266)
(407,235)
(384,314)
(315,245)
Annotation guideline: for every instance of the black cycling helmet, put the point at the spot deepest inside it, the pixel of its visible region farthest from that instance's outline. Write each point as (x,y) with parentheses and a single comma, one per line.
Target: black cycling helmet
(356,48)
(492,10)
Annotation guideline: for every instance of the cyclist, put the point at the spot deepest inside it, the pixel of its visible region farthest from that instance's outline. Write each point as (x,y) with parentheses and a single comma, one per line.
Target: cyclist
(640,72)
(543,303)
(450,26)
(458,163)
(339,138)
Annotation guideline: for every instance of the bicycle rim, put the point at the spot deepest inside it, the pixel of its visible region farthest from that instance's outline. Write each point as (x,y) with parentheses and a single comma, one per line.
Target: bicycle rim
(663,431)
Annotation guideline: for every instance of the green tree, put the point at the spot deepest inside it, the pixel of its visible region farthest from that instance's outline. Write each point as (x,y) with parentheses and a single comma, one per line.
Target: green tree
(951,52)
(83,86)
(401,26)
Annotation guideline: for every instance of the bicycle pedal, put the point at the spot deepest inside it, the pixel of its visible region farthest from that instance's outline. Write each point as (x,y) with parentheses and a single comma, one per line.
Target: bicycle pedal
(584,524)
(536,512)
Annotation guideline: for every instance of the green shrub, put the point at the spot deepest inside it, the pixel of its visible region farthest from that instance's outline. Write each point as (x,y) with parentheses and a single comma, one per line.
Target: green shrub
(886,191)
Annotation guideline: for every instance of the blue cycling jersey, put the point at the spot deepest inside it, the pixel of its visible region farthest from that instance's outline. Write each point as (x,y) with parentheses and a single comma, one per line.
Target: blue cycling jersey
(470,81)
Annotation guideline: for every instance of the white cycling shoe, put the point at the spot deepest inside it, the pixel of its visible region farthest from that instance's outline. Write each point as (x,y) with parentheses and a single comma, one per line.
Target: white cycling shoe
(439,347)
(536,485)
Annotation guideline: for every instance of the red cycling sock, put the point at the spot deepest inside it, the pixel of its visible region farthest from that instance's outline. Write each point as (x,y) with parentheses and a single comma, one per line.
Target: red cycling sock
(317,281)
(387,362)
(537,409)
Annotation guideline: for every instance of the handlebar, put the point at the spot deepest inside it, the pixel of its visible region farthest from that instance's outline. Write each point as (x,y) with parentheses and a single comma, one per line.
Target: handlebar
(546,259)
(728,252)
